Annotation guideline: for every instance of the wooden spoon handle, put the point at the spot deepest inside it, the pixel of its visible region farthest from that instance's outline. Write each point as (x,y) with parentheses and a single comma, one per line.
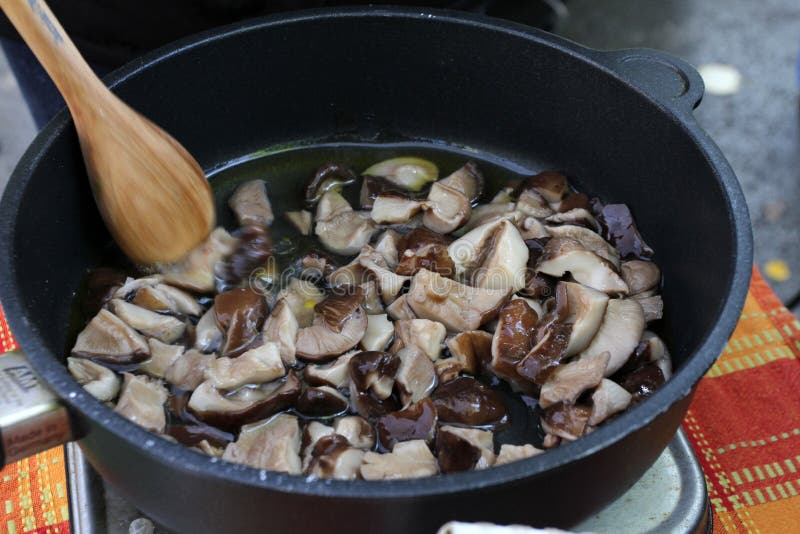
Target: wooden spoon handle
(54,49)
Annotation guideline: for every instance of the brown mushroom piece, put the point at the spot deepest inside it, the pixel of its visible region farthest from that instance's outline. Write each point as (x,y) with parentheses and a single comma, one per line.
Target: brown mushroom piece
(340,229)
(457,306)
(640,275)
(567,421)
(553,186)
(547,354)
(643,382)
(207,335)
(574,201)
(394,209)
(569,380)
(416,421)
(335,374)
(472,349)
(575,217)
(245,405)
(423,249)
(387,246)
(108,339)
(301,220)
(322,401)
(187,371)
(492,256)
(512,340)
(408,459)
(256,366)
(328,177)
(407,173)
(162,356)
(371,383)
(162,327)
(332,457)
(608,399)
(652,307)
(132,286)
(339,325)
(590,240)
(447,369)
(531,228)
(399,309)
(374,186)
(249,262)
(465,401)
(468,179)
(251,204)
(416,376)
(312,433)
(446,208)
(389,283)
(462,449)
(619,229)
(164,298)
(372,298)
(585,309)
(563,255)
(142,401)
(423,334)
(240,313)
(301,296)
(619,333)
(380,331)
(512,453)
(196,271)
(489,213)
(281,328)
(316,266)
(532,204)
(357,430)
(273,444)
(99,381)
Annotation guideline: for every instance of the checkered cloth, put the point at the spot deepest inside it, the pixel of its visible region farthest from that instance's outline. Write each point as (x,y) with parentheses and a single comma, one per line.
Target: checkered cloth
(744,425)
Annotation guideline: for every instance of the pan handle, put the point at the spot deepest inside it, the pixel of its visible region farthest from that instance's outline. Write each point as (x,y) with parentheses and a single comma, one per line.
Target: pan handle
(668,79)
(31,417)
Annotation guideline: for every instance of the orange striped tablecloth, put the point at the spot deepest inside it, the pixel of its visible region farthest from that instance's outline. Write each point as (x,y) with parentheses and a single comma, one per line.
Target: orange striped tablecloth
(744,425)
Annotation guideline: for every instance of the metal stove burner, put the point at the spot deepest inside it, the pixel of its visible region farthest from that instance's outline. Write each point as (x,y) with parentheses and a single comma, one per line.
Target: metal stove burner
(670,497)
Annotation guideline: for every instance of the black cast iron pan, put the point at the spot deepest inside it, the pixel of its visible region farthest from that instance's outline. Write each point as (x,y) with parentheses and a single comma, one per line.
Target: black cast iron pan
(620,122)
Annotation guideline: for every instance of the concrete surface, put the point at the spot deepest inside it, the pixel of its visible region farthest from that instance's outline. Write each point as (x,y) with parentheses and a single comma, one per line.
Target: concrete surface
(757,128)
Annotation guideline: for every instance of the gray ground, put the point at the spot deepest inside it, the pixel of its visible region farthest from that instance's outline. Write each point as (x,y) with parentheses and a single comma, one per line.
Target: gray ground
(757,128)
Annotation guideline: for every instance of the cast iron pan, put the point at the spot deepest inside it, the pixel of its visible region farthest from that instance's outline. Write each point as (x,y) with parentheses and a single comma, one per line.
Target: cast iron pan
(620,122)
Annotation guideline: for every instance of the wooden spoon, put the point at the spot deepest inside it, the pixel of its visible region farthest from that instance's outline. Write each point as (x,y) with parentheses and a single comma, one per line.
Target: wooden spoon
(151,192)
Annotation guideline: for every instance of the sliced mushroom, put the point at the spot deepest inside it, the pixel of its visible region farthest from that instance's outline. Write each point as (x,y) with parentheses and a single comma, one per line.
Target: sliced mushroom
(489,213)
(389,283)
(563,254)
(273,444)
(408,459)
(335,373)
(534,304)
(142,401)
(531,228)
(620,230)
(281,328)
(643,382)
(312,433)
(394,209)
(386,246)
(399,309)
(553,186)
(354,274)
(322,401)
(547,354)
(251,204)
(328,177)
(374,371)
(619,334)
(332,457)
(380,331)
(416,377)
(196,271)
(653,307)
(256,366)
(589,240)
(576,217)
(187,371)
(250,262)
(107,338)
(465,401)
(340,229)
(162,327)
(455,305)
(162,356)
(609,398)
(424,249)
(372,298)
(339,325)
(462,449)
(472,349)
(133,285)
(640,275)
(357,430)
(416,421)
(512,453)
(301,220)
(301,297)
(423,334)
(316,266)
(446,209)
(566,421)
(101,382)
(245,405)
(467,179)
(569,380)
(409,173)
(207,335)
(532,204)
(240,313)
(491,256)
(512,340)
(164,298)
(448,369)
(586,308)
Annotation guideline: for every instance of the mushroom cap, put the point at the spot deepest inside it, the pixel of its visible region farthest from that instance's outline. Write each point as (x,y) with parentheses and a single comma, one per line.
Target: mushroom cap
(492,256)
(375,371)
(513,339)
(207,335)
(620,230)
(567,421)
(339,325)
(609,398)
(272,444)
(142,401)
(569,380)
(328,177)
(331,457)
(446,209)
(380,331)
(416,376)
(465,401)
(107,338)
(322,401)
(619,333)
(340,229)
(590,240)
(394,209)
(424,334)
(472,349)
(240,314)
(547,354)
(196,271)
(640,275)
(457,306)
(586,308)
(187,371)
(256,366)
(162,356)
(162,327)
(408,459)
(335,373)
(563,255)
(489,213)
(357,430)
(302,296)
(389,283)
(101,382)
(399,309)
(251,204)
(424,249)
(462,449)
(416,421)
(281,327)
